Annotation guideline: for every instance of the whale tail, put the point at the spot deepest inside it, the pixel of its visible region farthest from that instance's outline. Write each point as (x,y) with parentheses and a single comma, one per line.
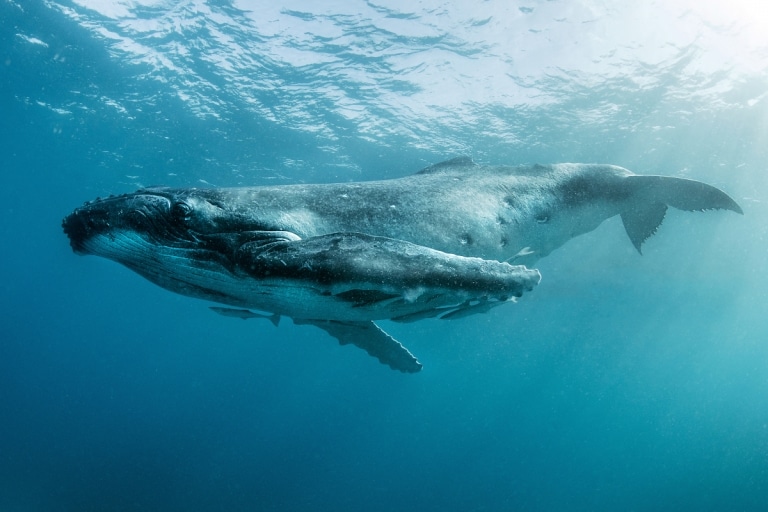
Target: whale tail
(653,194)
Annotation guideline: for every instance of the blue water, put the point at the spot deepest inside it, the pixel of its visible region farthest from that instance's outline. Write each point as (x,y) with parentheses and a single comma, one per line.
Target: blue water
(623,382)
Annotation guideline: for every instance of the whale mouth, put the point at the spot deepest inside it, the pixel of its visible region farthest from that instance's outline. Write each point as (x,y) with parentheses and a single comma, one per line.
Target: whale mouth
(146,213)
(78,229)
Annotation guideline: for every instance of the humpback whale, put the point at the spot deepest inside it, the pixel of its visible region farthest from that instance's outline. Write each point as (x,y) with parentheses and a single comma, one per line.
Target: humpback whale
(452,240)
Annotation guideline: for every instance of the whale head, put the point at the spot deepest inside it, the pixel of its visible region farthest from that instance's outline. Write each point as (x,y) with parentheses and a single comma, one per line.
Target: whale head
(173,237)
(183,241)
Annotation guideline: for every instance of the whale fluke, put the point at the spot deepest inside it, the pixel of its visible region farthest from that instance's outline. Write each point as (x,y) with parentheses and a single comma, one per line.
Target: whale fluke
(653,194)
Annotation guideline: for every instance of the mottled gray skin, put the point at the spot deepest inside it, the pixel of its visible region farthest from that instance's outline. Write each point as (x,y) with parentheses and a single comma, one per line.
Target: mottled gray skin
(463,209)
(187,240)
(337,256)
(493,212)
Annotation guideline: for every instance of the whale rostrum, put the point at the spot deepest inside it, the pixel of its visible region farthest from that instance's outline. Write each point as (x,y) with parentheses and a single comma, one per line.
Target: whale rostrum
(450,241)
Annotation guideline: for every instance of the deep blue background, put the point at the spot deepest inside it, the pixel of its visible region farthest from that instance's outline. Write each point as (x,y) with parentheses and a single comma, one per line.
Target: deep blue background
(622,383)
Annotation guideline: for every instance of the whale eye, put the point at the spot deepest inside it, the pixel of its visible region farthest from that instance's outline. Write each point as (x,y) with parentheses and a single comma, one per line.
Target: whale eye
(181,212)
(542,218)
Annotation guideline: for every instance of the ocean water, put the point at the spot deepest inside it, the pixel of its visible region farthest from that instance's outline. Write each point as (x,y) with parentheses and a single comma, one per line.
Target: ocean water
(623,382)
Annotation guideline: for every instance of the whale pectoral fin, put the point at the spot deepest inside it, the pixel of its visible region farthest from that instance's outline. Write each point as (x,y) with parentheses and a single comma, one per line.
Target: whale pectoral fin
(245,314)
(371,338)
(642,221)
(471,309)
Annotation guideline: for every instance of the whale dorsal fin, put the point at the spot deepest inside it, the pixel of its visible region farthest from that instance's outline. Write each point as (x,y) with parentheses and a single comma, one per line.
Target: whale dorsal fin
(459,161)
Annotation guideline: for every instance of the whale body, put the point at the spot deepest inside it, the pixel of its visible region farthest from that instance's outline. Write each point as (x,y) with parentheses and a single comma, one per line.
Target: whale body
(452,240)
